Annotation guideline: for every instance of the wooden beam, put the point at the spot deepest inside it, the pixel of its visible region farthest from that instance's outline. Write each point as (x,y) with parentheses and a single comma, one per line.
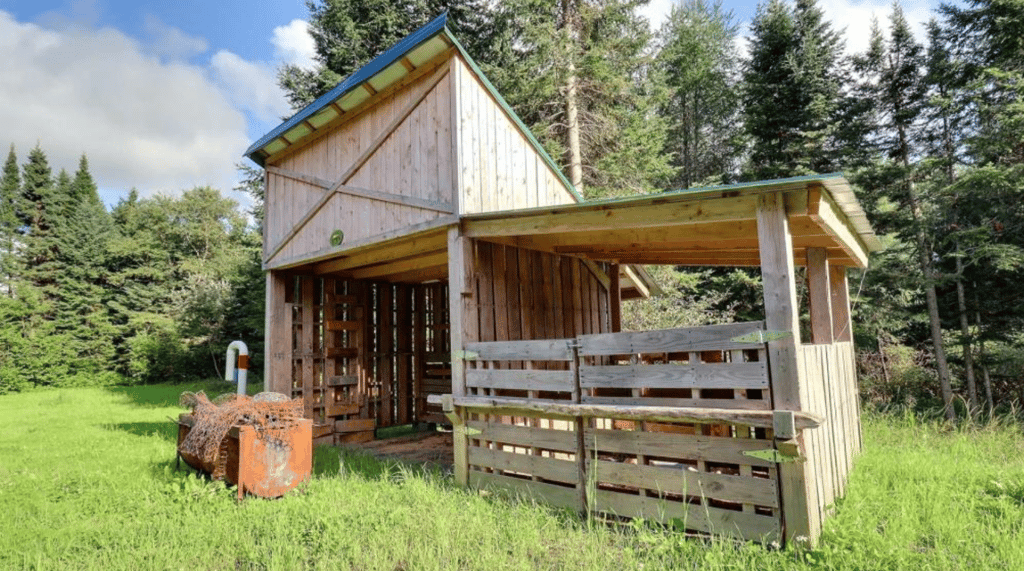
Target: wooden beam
(819,293)
(277,335)
(615,299)
(396,250)
(839,297)
(462,328)
(780,304)
(834,222)
(407,265)
(354,167)
(380,195)
(598,273)
(368,243)
(615,216)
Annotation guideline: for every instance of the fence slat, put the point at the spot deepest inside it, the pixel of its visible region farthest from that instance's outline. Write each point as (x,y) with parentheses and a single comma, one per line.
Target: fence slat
(548,493)
(525,464)
(543,350)
(758,491)
(515,379)
(526,436)
(689,376)
(707,338)
(698,517)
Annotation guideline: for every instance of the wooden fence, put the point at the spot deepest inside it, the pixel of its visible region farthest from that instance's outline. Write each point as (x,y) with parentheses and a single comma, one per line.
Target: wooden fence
(654,424)
(829,373)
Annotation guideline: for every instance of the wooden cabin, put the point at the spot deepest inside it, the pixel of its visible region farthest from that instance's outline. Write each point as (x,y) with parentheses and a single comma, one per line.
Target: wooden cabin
(428,262)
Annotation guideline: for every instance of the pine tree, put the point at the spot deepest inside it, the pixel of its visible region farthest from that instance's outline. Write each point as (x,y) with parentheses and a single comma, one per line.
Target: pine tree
(699,61)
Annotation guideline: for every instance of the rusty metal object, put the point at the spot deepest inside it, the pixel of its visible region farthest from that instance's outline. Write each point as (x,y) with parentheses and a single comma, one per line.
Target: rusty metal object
(264,467)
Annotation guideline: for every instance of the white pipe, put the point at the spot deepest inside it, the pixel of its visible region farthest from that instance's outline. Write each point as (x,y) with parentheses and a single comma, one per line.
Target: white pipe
(243,364)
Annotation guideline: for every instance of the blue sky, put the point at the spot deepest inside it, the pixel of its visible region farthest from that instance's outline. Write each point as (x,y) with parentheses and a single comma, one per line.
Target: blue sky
(164,96)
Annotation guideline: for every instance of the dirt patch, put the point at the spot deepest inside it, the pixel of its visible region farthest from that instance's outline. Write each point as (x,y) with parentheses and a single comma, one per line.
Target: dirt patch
(426,448)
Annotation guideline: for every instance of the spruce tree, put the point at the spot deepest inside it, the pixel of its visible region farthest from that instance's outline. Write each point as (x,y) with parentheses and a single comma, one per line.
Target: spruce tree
(794,91)
(698,59)
(10,193)
(349,33)
(895,72)
(578,73)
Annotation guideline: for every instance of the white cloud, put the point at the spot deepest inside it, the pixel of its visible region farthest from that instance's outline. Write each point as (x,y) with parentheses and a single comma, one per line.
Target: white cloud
(170,42)
(251,86)
(294,45)
(855,19)
(157,126)
(656,12)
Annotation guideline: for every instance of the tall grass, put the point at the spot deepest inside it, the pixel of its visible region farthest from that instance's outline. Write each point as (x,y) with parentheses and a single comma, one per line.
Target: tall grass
(87,481)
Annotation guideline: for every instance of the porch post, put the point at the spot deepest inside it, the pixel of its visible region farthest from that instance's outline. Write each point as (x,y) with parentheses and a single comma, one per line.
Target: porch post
(277,346)
(462,317)
(780,303)
(819,293)
(842,328)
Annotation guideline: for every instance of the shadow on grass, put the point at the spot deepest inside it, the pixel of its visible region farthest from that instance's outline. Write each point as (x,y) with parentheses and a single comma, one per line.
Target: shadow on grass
(166,430)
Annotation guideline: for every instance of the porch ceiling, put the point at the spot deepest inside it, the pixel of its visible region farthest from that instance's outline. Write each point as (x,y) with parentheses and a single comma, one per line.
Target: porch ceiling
(704,227)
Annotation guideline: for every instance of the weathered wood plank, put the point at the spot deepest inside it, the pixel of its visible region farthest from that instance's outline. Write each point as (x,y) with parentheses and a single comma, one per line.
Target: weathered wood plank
(525,464)
(674,445)
(653,413)
(532,380)
(539,350)
(718,375)
(526,436)
(711,337)
(745,404)
(342,380)
(551,494)
(355,425)
(697,517)
(686,481)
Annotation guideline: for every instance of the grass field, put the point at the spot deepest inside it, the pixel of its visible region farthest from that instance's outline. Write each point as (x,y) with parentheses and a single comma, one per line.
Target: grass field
(87,481)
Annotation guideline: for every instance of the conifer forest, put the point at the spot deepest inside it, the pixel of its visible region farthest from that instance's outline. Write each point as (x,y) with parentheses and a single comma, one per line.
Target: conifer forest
(927,126)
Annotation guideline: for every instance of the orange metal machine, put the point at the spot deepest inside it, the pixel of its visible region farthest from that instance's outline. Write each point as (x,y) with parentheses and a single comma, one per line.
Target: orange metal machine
(267,468)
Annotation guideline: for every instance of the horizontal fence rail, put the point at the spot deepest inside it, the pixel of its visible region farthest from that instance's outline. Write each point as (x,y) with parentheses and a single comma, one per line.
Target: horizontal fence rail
(653,424)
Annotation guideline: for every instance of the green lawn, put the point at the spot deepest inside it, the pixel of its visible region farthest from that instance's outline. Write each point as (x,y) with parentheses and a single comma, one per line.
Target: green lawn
(87,481)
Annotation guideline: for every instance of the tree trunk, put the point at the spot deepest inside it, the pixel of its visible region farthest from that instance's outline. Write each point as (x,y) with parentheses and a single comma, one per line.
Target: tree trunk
(965,332)
(570,19)
(924,260)
(981,355)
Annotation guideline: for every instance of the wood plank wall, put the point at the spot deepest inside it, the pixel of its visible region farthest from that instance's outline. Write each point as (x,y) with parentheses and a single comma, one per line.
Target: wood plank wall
(829,373)
(415,160)
(365,355)
(499,169)
(524,294)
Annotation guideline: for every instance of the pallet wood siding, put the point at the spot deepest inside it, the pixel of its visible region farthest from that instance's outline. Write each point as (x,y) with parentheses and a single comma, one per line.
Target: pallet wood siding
(365,355)
(829,373)
(694,475)
(401,145)
(498,167)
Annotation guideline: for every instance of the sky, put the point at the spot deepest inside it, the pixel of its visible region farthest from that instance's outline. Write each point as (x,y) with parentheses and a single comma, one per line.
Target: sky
(165,96)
